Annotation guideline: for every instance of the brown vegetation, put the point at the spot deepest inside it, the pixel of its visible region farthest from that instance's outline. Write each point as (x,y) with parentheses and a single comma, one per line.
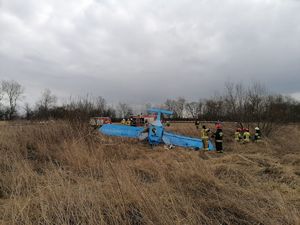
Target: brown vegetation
(62,173)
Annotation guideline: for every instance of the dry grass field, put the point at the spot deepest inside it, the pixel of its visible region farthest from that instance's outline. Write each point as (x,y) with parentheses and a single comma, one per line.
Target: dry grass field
(61,173)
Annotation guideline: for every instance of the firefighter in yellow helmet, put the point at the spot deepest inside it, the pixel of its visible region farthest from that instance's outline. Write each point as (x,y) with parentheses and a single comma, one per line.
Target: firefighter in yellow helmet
(205,136)
(247,135)
(123,121)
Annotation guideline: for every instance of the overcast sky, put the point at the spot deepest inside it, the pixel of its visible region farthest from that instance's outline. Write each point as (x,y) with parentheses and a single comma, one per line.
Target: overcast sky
(146,51)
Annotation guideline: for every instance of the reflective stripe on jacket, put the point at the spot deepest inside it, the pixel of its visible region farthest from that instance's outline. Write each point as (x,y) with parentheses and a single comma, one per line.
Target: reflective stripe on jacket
(218,135)
(204,133)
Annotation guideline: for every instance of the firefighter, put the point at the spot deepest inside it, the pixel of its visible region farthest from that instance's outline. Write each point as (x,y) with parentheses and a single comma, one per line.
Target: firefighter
(146,123)
(205,136)
(247,135)
(197,124)
(128,122)
(123,121)
(132,122)
(218,135)
(238,135)
(257,135)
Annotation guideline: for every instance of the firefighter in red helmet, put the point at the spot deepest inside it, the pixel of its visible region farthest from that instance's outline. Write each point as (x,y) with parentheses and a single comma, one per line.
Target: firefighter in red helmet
(247,135)
(218,135)
(238,135)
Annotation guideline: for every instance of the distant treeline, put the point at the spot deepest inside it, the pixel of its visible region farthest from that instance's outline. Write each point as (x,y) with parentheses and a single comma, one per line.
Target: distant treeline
(239,103)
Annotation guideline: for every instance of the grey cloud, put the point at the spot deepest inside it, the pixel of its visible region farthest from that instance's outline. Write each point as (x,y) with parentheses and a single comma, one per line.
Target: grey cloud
(147,51)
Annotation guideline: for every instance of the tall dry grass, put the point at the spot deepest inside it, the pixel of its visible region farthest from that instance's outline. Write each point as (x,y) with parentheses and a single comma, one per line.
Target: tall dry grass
(65,173)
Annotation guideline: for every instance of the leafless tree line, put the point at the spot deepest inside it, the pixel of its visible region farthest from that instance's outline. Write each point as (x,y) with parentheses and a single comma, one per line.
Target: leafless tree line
(75,108)
(238,103)
(244,105)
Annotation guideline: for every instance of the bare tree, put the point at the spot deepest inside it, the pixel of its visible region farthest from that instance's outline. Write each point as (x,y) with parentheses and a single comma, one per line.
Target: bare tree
(214,108)
(234,100)
(177,106)
(255,102)
(47,101)
(124,110)
(180,107)
(45,104)
(100,105)
(1,104)
(28,111)
(13,91)
(1,94)
(251,105)
(194,109)
(146,107)
(170,104)
(267,112)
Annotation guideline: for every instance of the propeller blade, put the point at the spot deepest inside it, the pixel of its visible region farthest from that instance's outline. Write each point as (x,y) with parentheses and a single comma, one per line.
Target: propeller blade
(184,141)
(121,130)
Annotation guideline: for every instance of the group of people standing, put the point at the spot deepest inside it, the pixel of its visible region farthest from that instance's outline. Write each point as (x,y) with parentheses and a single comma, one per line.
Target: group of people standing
(241,135)
(244,136)
(217,135)
(128,122)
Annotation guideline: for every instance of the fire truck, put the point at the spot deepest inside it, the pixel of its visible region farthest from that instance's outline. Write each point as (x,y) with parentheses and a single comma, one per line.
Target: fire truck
(142,120)
(97,122)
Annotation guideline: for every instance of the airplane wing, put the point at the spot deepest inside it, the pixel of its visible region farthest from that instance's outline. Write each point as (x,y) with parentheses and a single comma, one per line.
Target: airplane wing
(121,130)
(184,141)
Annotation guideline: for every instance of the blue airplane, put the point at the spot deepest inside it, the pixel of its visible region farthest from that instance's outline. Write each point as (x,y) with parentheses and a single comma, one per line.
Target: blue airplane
(155,134)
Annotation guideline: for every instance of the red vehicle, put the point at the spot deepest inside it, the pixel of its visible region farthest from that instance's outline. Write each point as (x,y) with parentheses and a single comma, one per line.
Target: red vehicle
(97,122)
(140,121)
